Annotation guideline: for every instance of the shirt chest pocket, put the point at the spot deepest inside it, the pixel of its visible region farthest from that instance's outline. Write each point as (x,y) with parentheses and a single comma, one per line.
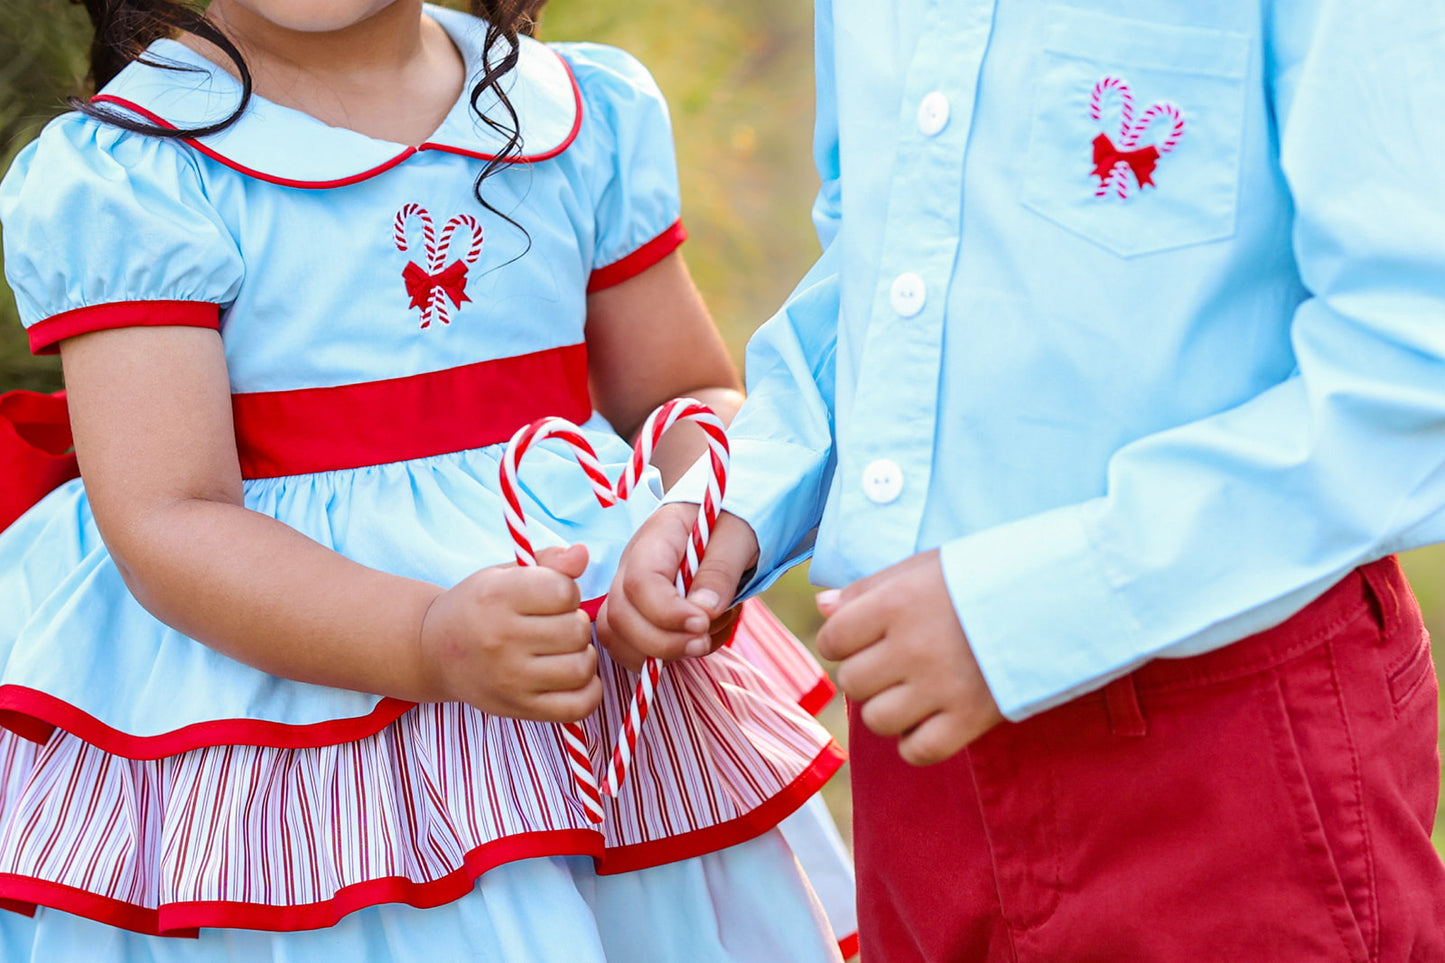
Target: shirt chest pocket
(1134,141)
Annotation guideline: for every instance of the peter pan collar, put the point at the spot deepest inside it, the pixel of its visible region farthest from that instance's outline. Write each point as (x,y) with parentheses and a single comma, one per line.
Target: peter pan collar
(287,147)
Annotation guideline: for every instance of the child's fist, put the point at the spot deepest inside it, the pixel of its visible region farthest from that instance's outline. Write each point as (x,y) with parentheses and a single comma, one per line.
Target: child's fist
(644,617)
(513,641)
(906,660)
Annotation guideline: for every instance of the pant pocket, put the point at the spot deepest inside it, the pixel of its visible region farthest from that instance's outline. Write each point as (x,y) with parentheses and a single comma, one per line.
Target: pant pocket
(1320,769)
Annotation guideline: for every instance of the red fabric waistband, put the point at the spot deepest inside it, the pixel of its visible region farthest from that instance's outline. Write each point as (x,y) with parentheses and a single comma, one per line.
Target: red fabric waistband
(327,429)
(1376,590)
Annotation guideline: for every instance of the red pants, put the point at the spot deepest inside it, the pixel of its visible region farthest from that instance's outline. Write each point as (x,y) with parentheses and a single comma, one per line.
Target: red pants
(1269,802)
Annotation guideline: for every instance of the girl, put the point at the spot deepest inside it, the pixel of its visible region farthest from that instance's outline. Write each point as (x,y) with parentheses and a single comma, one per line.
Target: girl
(307,266)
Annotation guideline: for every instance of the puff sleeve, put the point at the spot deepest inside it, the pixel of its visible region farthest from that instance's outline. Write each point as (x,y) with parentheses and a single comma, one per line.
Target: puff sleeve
(638,208)
(104,228)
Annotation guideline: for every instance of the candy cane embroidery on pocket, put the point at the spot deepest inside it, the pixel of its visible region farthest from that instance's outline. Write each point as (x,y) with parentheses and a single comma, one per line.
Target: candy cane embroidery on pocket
(1124,166)
(432,287)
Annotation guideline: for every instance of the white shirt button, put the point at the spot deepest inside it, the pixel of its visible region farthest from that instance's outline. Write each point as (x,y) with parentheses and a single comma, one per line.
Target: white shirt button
(882,481)
(933,114)
(908,294)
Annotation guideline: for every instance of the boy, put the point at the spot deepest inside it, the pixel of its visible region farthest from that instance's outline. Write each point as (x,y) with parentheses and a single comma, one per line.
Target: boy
(1119,380)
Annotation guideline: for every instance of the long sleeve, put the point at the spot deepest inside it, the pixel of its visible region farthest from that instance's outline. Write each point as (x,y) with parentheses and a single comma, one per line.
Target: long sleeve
(782,439)
(1225,525)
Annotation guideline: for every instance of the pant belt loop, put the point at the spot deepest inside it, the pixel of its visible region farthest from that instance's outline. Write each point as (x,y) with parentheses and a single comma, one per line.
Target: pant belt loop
(1126,719)
(1380,580)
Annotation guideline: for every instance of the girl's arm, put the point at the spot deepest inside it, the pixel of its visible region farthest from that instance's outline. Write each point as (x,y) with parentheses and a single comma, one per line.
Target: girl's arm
(650,339)
(151,412)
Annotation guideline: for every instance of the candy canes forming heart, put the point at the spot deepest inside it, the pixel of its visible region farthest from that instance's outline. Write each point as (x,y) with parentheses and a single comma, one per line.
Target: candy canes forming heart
(1116,165)
(680,409)
(432,286)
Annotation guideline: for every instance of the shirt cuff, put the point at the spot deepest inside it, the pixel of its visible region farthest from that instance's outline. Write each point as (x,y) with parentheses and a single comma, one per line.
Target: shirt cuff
(1042,615)
(779,502)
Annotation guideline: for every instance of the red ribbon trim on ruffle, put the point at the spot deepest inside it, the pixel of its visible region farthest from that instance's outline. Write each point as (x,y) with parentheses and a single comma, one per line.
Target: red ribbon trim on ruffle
(22,893)
(34,715)
(35,456)
(1142,161)
(814,701)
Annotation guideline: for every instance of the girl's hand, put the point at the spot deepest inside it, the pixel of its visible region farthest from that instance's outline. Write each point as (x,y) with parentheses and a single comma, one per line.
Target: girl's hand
(644,617)
(513,641)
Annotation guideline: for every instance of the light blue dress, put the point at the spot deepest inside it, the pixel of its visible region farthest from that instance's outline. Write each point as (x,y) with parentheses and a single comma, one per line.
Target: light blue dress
(384,334)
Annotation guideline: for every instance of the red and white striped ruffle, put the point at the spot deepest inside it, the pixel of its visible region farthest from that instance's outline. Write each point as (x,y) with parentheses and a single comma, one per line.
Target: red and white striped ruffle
(767,644)
(285,839)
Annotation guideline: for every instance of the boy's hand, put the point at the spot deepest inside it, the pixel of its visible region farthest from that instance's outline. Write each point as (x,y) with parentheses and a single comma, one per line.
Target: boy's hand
(644,617)
(906,661)
(513,641)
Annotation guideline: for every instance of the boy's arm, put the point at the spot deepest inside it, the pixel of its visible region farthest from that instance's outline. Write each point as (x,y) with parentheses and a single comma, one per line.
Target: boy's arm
(783,436)
(1220,528)
(782,445)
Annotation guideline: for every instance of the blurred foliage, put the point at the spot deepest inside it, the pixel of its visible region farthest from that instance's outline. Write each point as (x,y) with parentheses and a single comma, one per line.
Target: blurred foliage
(43,46)
(738,76)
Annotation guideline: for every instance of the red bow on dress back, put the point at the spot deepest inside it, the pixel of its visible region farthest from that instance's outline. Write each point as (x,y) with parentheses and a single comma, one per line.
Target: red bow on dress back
(35,456)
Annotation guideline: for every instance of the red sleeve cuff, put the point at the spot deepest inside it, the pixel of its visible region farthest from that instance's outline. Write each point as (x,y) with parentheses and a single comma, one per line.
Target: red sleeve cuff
(45,336)
(639,260)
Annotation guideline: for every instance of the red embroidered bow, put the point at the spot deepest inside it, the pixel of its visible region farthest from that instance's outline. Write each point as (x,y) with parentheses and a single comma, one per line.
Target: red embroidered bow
(1141,161)
(420,284)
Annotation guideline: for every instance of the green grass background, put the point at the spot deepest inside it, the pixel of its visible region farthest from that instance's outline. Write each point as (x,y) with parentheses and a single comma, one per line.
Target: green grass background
(737,74)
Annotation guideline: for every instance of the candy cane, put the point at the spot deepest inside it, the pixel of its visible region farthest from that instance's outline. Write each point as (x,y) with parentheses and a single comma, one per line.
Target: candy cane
(1126,99)
(1155,111)
(1118,177)
(681,409)
(439,303)
(573,735)
(429,243)
(657,424)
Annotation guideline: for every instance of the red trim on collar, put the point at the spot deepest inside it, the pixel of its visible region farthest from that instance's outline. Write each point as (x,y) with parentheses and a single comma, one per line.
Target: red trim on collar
(45,336)
(528,158)
(382,168)
(160,121)
(639,260)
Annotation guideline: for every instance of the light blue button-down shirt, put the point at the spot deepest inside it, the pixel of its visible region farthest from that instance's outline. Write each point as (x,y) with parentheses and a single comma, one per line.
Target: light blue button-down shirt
(1152,383)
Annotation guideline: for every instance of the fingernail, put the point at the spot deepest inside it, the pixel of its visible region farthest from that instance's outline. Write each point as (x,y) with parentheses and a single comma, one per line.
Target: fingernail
(696,623)
(827,600)
(698,648)
(705,599)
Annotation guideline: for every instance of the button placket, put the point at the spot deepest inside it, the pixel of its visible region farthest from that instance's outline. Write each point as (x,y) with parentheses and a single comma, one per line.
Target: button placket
(908,295)
(898,387)
(933,113)
(882,481)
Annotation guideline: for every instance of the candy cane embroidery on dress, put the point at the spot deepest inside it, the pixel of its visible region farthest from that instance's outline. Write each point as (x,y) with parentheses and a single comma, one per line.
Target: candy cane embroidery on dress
(1124,166)
(432,287)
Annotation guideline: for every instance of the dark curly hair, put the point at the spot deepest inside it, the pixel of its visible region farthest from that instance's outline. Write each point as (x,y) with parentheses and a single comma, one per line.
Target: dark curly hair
(125,28)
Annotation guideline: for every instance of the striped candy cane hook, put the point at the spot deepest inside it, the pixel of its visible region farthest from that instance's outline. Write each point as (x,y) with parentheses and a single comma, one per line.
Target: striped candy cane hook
(573,735)
(681,409)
